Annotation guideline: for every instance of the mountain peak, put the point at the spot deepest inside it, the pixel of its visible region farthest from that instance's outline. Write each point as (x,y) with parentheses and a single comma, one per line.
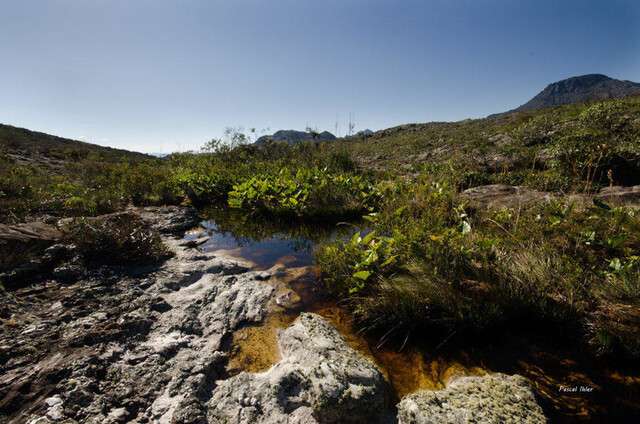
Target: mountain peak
(579,89)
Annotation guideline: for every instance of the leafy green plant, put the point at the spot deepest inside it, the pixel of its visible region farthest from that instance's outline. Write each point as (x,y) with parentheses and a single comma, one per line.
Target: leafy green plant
(350,264)
(203,189)
(304,192)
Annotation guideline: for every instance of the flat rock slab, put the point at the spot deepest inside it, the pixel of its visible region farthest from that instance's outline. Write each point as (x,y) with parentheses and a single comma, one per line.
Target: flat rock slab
(496,196)
(320,379)
(169,219)
(30,234)
(628,195)
(165,220)
(494,398)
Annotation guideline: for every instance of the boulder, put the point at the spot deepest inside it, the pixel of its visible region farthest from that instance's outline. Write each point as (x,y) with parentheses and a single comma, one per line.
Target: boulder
(320,379)
(494,398)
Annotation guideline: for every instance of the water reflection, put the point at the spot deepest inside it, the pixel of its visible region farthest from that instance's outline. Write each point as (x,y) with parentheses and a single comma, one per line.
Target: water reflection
(265,242)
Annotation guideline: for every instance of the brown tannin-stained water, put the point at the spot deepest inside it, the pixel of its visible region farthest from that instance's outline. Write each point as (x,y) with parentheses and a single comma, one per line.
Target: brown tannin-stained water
(571,384)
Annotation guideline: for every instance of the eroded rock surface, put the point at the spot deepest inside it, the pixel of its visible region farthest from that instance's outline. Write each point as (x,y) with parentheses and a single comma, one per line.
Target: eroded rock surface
(320,379)
(489,399)
(126,344)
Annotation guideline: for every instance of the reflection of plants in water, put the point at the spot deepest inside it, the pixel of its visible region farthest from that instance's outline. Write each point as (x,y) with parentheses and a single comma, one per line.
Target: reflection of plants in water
(247,229)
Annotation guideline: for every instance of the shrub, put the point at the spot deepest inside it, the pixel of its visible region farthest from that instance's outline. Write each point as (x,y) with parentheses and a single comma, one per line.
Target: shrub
(119,239)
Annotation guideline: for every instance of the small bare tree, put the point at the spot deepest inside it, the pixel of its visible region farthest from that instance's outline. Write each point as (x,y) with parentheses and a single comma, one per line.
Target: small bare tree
(315,135)
(352,125)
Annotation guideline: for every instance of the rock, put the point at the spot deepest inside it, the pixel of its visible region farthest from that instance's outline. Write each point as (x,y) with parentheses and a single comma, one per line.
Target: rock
(488,399)
(321,379)
(496,196)
(54,400)
(41,420)
(293,137)
(148,340)
(117,415)
(190,244)
(29,235)
(628,195)
(165,220)
(195,243)
(45,261)
(55,413)
(169,219)
(289,300)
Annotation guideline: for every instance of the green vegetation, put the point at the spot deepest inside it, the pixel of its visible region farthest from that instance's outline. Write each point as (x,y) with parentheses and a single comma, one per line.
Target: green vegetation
(88,186)
(307,192)
(440,263)
(428,258)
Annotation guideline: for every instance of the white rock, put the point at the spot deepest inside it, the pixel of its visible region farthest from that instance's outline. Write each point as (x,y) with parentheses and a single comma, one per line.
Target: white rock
(55,413)
(54,400)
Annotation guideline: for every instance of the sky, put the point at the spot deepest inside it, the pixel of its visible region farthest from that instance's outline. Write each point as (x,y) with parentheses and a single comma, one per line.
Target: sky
(163,76)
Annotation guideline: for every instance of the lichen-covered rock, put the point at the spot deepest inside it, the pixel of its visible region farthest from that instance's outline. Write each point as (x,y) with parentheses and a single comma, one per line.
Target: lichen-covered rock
(494,398)
(320,379)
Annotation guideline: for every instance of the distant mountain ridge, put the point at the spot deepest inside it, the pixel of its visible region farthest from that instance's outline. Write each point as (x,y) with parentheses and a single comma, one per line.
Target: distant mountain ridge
(579,89)
(293,137)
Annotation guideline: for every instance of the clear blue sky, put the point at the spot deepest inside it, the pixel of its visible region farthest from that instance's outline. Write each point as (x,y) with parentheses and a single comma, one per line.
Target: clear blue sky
(153,75)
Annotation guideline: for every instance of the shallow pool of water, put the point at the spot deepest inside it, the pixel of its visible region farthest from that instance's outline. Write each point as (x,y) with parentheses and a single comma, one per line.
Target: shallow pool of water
(605,391)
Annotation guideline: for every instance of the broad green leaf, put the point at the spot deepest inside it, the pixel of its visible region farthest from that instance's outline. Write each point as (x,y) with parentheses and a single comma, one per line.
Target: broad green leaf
(388,261)
(465,227)
(615,241)
(368,237)
(363,275)
(615,264)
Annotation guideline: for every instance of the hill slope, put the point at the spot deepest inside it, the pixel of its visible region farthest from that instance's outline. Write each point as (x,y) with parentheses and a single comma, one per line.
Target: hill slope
(579,89)
(24,142)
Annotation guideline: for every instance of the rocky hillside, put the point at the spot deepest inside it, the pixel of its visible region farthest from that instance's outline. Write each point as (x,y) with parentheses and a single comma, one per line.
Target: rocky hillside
(579,89)
(24,143)
(293,137)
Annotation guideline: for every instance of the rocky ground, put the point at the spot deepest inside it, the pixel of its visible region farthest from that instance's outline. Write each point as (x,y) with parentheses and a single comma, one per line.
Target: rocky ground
(150,344)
